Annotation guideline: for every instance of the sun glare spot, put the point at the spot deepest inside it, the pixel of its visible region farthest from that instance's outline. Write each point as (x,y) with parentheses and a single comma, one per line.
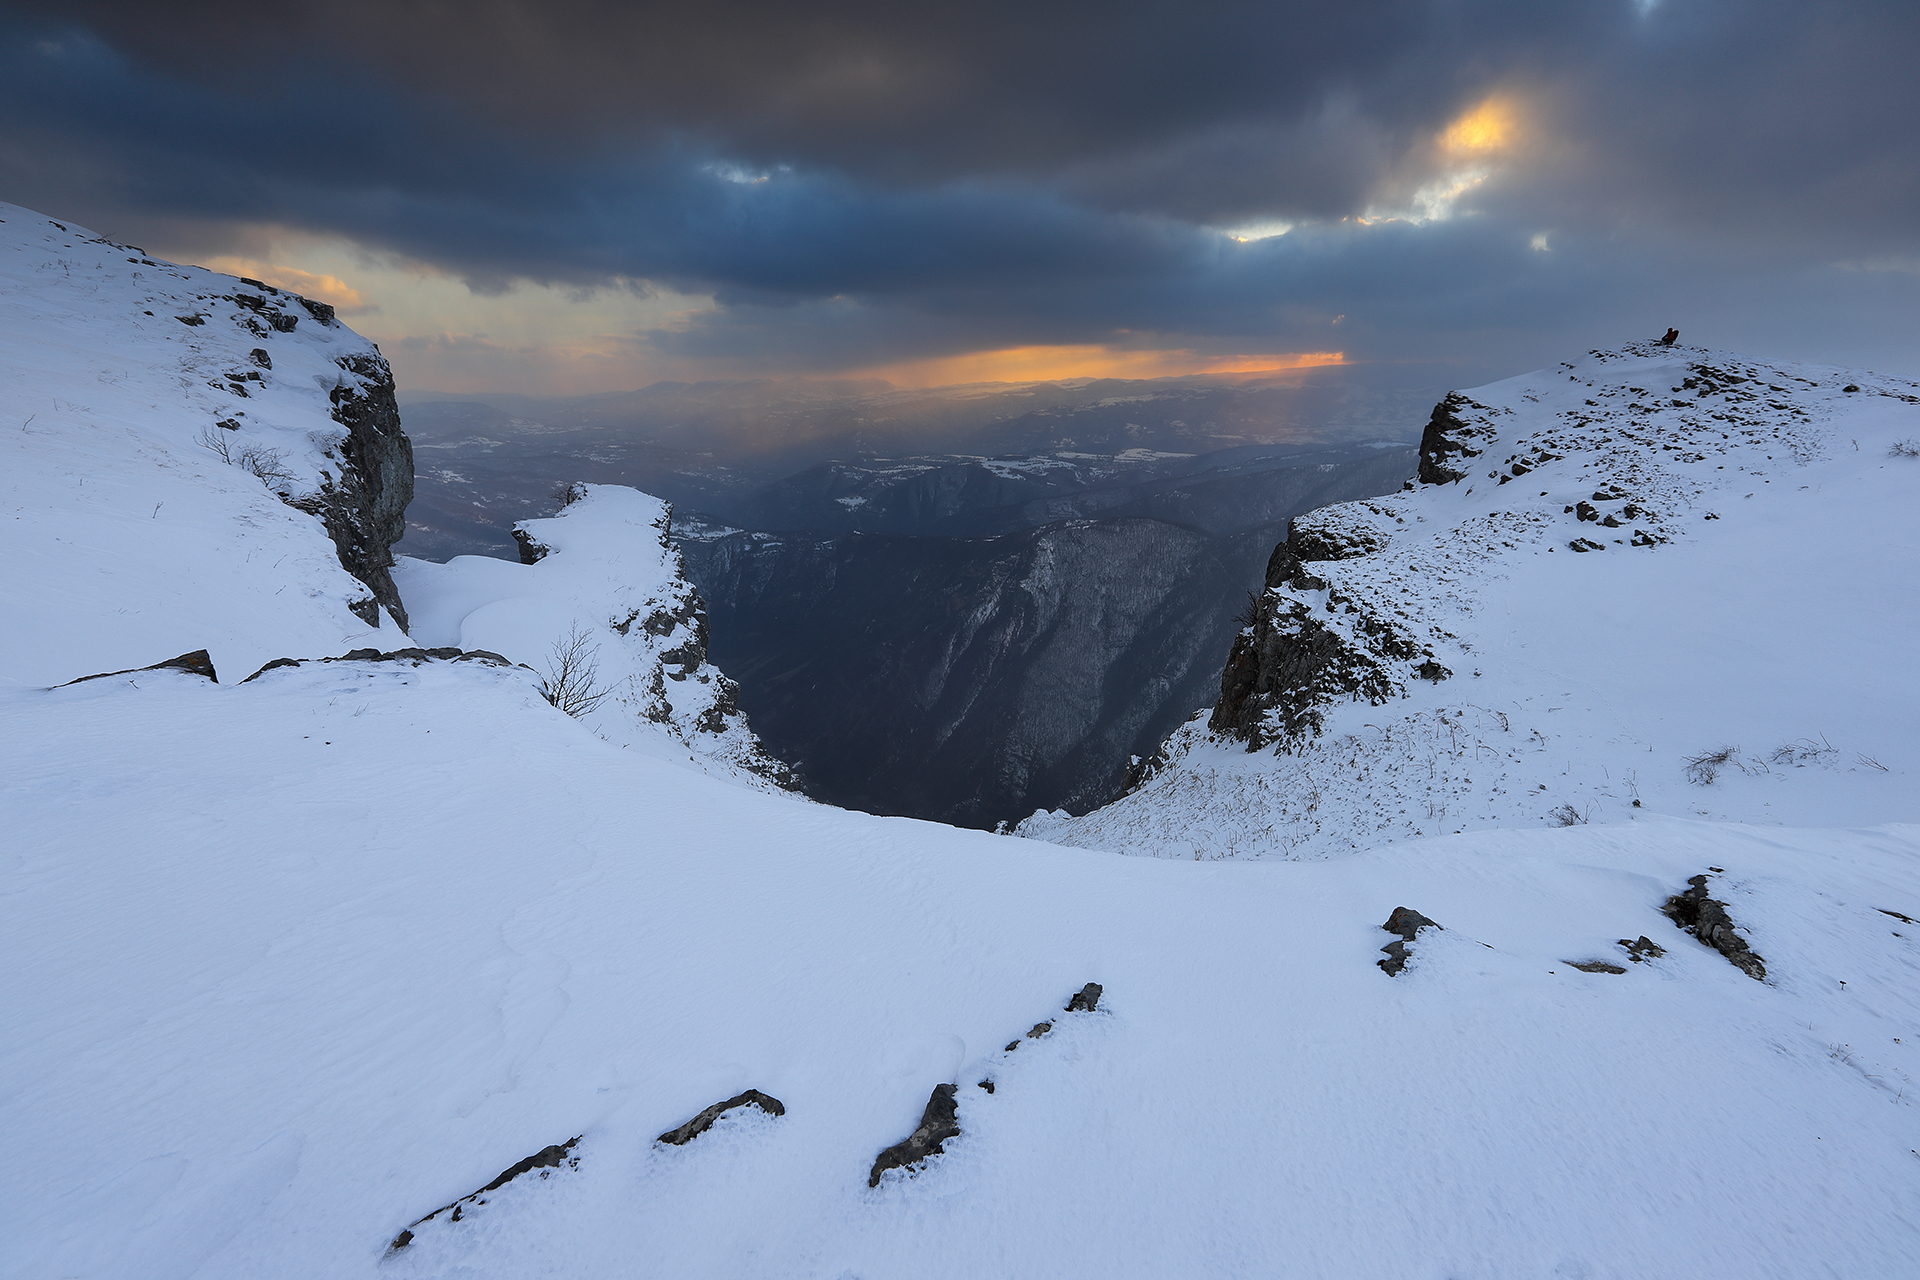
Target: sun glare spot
(1539,243)
(1488,127)
(1258,231)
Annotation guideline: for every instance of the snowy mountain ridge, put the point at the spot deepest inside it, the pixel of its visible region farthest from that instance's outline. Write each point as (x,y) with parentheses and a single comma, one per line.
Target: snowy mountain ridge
(1608,572)
(189,443)
(175,440)
(304,968)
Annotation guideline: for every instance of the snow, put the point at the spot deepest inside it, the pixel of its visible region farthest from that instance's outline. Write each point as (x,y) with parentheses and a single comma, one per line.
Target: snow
(1776,617)
(296,961)
(131,542)
(424,925)
(610,587)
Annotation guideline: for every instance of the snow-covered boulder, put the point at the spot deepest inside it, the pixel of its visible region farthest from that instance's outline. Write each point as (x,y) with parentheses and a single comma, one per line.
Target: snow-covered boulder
(189,461)
(1653,577)
(601,607)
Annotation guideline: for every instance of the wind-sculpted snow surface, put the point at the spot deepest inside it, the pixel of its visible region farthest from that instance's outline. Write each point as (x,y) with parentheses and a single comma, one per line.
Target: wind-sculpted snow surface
(293,963)
(189,461)
(604,611)
(1611,568)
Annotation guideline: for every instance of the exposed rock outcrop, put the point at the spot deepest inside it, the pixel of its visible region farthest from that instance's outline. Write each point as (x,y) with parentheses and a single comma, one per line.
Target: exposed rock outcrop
(1450,440)
(937,1124)
(1408,923)
(364,507)
(1707,919)
(414,656)
(693,1128)
(1289,661)
(545,1160)
(197,663)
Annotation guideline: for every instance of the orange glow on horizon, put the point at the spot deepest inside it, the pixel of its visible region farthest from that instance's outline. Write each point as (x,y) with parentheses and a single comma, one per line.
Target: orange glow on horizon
(321,288)
(1053,363)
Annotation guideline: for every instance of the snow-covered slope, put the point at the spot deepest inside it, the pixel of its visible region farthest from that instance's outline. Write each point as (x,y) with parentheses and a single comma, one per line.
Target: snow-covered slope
(605,612)
(294,963)
(151,415)
(1610,569)
(297,961)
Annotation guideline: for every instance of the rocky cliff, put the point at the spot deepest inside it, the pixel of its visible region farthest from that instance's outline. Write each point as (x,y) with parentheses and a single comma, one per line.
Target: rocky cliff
(283,473)
(1542,627)
(365,508)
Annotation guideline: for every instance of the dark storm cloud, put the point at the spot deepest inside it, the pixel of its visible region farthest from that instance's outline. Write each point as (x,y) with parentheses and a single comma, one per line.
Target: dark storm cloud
(918,179)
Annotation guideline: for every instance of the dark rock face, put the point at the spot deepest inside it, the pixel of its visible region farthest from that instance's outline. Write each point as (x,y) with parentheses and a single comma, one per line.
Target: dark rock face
(197,663)
(1086,999)
(544,1159)
(1707,919)
(1283,669)
(1406,922)
(1447,442)
(1595,966)
(531,552)
(704,1121)
(1287,663)
(938,1123)
(365,507)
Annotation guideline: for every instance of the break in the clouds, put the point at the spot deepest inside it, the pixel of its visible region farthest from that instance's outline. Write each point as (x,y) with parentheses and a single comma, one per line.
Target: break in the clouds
(744,188)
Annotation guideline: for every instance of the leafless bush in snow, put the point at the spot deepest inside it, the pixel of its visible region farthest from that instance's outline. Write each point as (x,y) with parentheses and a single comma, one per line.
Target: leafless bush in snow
(573,674)
(216,441)
(1566,816)
(267,465)
(270,465)
(1799,753)
(568,493)
(1904,449)
(1705,767)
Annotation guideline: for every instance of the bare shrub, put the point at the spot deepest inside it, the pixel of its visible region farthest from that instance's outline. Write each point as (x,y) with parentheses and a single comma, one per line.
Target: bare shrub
(573,674)
(1245,618)
(1806,749)
(1705,767)
(1904,449)
(217,441)
(269,465)
(1566,816)
(568,493)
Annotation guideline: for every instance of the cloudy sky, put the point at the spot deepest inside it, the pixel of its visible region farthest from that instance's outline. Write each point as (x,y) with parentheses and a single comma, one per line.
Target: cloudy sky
(570,196)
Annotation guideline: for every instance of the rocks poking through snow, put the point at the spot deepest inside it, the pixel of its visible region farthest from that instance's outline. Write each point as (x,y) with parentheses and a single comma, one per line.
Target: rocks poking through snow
(1406,922)
(937,1123)
(197,663)
(693,1128)
(1707,919)
(545,1159)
